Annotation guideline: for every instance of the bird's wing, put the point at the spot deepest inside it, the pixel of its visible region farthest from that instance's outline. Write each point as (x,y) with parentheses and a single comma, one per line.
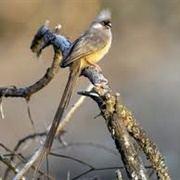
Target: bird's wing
(87,44)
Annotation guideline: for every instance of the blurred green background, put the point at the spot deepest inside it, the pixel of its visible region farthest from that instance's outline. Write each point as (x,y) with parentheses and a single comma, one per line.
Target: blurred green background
(143,65)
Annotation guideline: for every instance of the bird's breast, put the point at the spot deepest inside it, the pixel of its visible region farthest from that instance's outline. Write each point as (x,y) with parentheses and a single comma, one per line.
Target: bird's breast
(99,54)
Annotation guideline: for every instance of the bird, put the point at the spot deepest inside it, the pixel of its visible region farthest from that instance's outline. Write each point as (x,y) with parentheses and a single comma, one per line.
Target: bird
(85,51)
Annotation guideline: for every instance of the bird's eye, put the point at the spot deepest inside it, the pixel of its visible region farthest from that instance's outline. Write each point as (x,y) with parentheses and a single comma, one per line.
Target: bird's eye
(107,24)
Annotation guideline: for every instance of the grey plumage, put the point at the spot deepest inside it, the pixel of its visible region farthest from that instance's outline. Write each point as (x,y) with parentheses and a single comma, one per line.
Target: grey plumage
(88,49)
(94,39)
(104,15)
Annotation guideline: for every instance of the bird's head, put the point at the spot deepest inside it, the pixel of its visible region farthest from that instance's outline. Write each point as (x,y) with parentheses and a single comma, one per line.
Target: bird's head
(103,20)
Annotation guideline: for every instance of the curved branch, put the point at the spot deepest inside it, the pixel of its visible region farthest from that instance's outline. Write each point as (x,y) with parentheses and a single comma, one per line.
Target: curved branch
(43,38)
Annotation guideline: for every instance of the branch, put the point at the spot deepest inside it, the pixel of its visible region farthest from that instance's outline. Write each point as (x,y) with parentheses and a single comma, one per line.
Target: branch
(120,123)
(9,164)
(109,106)
(149,147)
(72,111)
(43,38)
(28,165)
(118,175)
(61,127)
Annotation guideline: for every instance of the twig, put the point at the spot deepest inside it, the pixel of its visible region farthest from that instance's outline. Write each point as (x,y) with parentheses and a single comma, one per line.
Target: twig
(30,117)
(28,165)
(91,168)
(98,146)
(14,153)
(10,165)
(31,136)
(72,158)
(60,129)
(118,175)
(23,159)
(95,169)
(19,156)
(1,109)
(72,111)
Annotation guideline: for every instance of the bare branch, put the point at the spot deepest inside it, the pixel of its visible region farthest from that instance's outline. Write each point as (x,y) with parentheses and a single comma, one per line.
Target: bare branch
(30,117)
(43,38)
(118,175)
(9,163)
(117,118)
(1,109)
(95,169)
(98,146)
(60,129)
(72,111)
(72,158)
(28,165)
(109,106)
(21,158)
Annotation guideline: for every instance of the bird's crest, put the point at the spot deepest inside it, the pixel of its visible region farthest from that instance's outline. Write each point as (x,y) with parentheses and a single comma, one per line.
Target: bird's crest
(104,15)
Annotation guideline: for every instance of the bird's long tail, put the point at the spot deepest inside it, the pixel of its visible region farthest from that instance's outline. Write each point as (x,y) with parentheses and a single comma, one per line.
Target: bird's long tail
(73,76)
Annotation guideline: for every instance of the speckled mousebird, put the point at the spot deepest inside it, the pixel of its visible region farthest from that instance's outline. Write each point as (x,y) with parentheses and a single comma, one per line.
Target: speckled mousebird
(85,51)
